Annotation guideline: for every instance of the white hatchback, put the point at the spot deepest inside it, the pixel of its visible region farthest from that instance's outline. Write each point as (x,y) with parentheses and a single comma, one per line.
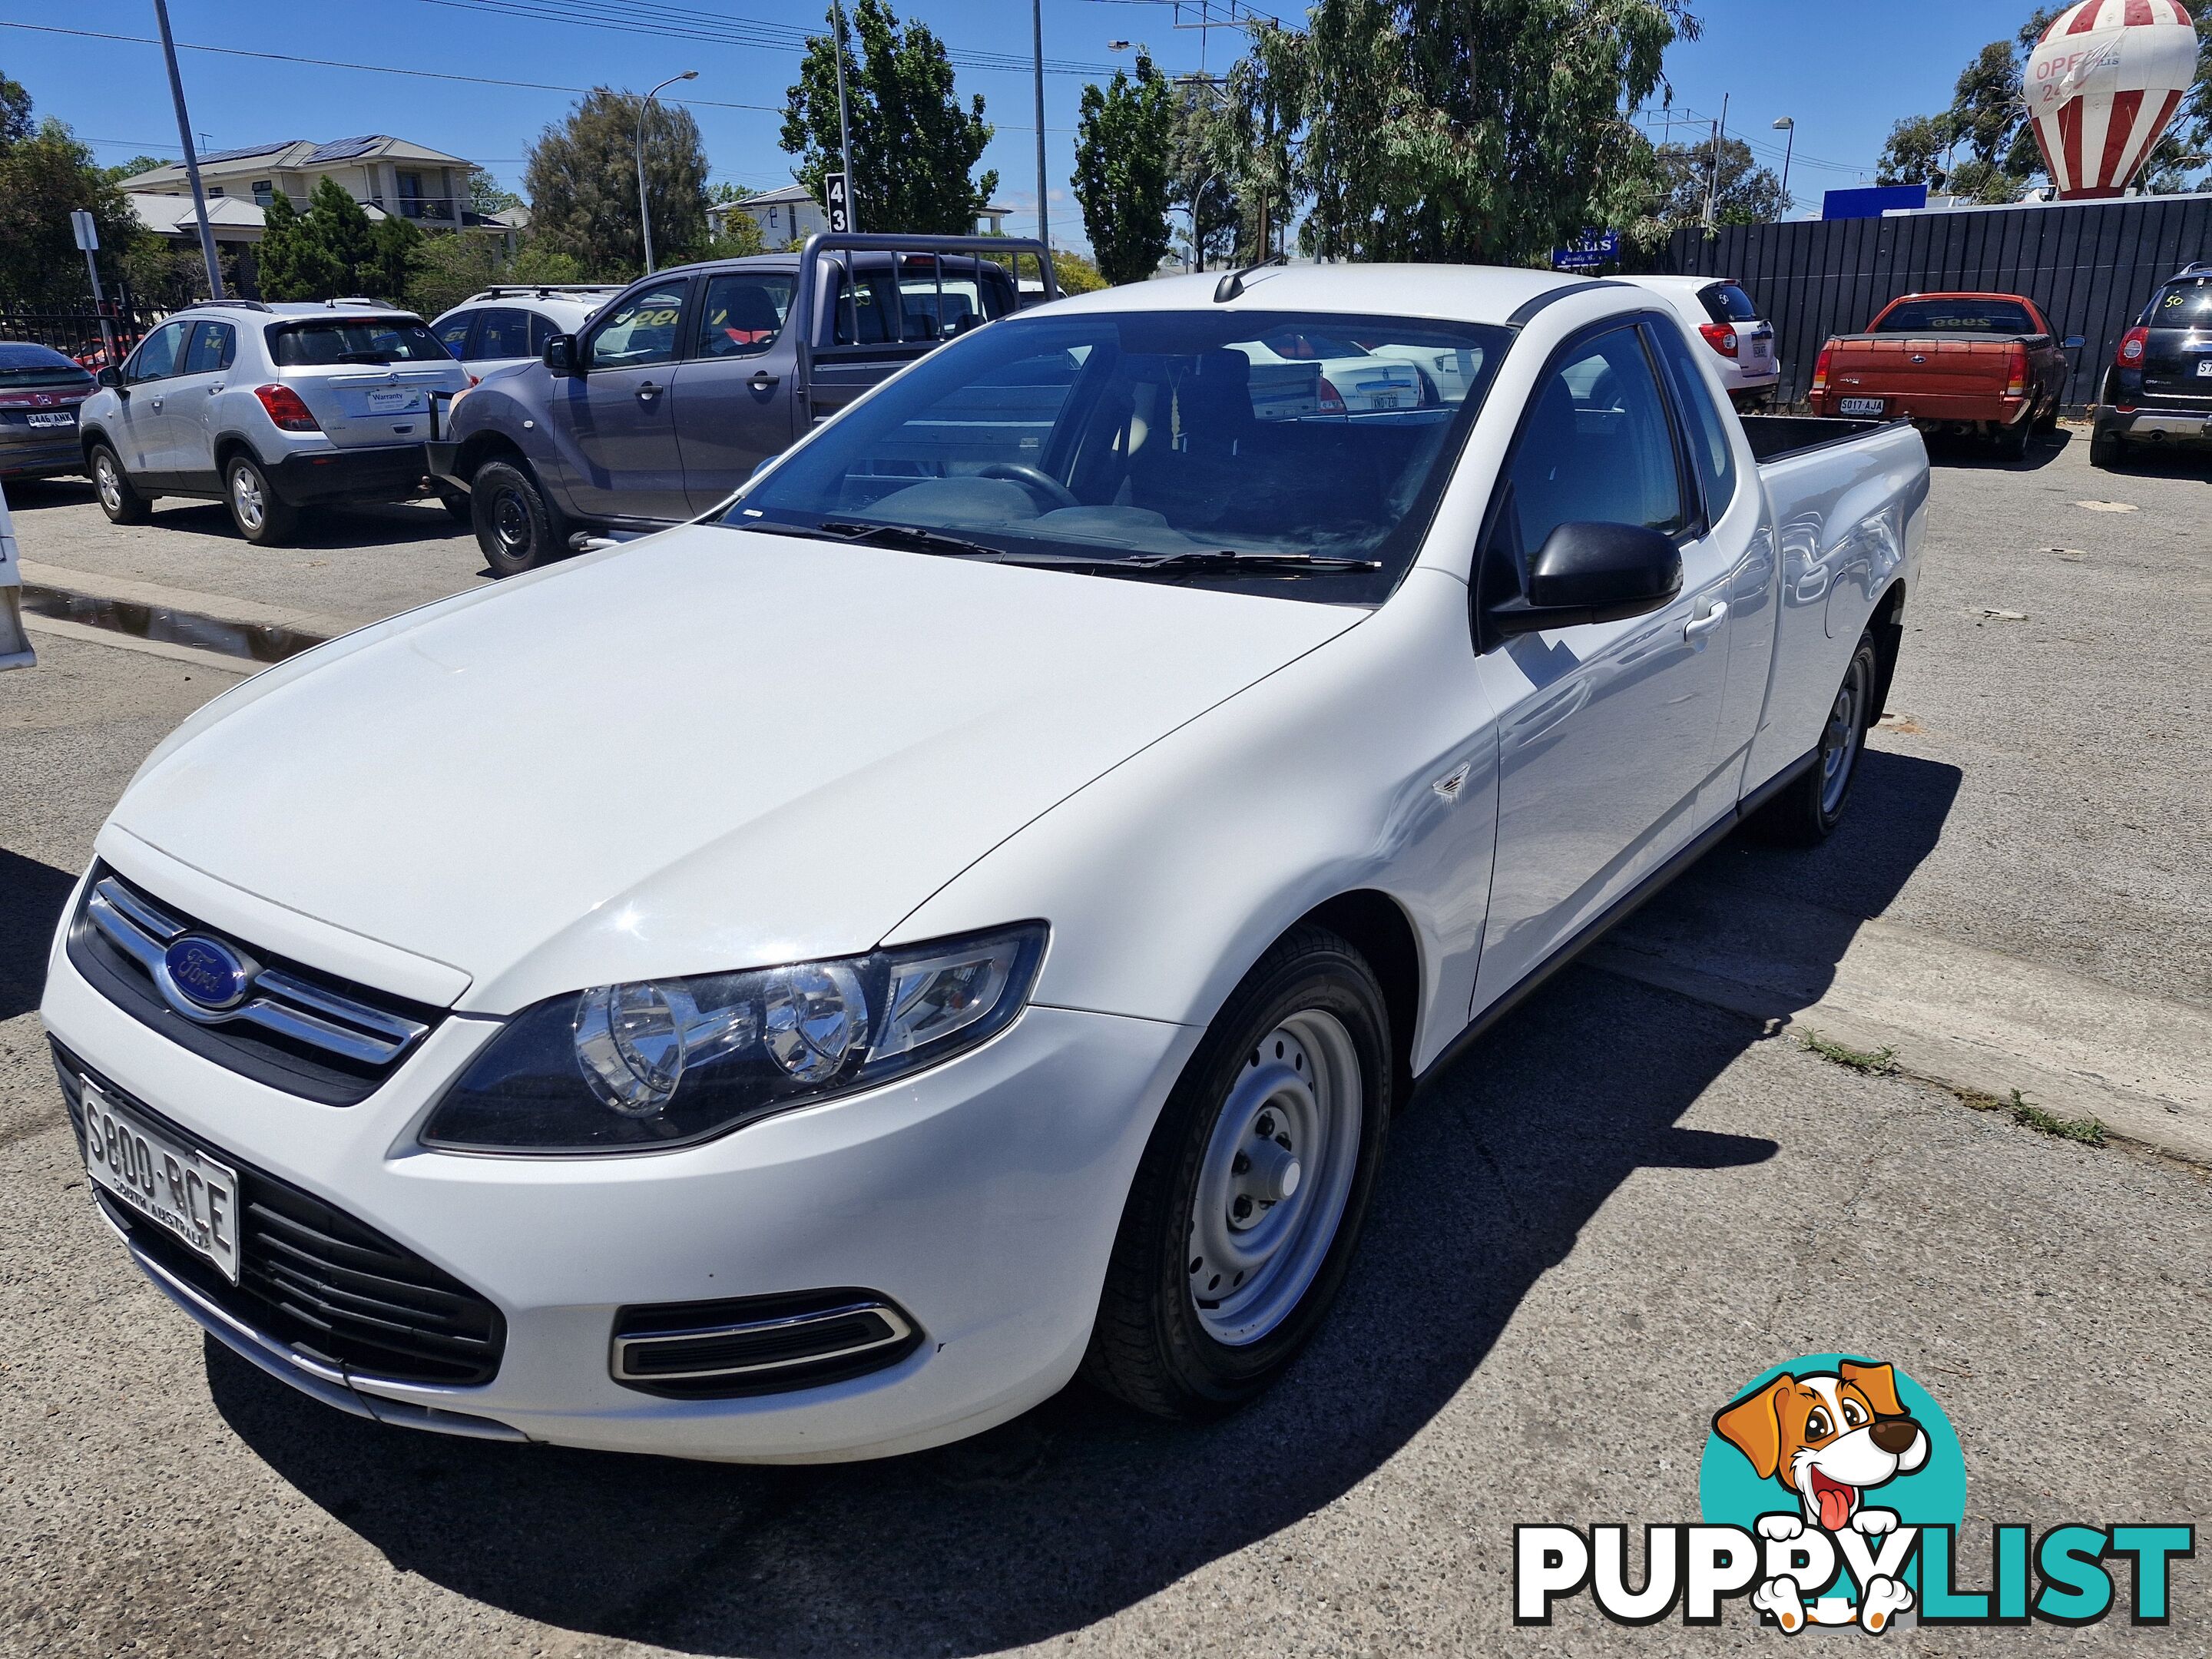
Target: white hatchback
(510,323)
(1719,312)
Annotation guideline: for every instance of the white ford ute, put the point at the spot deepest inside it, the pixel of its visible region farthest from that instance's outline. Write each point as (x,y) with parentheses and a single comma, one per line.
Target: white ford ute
(809,983)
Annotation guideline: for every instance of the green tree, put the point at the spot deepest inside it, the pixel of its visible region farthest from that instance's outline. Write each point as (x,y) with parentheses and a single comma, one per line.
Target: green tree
(914,148)
(44,175)
(1124,156)
(1464,129)
(1206,150)
(488,196)
(740,233)
(1915,151)
(296,263)
(1075,274)
(1743,193)
(392,243)
(581,176)
(135,165)
(341,226)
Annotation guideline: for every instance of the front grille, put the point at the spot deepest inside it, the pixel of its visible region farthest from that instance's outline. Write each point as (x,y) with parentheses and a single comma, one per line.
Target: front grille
(313,1278)
(293,1028)
(759,1345)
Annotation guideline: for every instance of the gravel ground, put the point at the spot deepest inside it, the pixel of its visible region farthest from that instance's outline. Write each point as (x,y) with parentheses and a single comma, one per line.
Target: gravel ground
(1590,1234)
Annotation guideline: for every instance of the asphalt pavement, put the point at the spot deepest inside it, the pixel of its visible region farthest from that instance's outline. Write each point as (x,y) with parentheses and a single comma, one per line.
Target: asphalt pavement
(1639,1192)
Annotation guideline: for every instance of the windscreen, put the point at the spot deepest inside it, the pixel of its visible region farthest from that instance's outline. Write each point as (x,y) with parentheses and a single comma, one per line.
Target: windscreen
(28,365)
(2181,304)
(1966,316)
(1133,438)
(356,340)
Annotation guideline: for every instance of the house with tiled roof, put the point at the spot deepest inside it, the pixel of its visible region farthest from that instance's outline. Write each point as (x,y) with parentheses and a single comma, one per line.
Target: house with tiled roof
(378,171)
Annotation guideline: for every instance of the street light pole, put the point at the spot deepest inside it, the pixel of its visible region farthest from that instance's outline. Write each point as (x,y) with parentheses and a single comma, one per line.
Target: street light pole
(644,113)
(1036,31)
(192,155)
(845,125)
(1789,125)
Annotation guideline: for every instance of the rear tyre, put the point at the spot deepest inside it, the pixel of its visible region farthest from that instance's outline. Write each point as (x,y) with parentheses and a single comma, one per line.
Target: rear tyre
(1249,1200)
(516,526)
(118,497)
(2012,443)
(457,503)
(1807,813)
(2107,447)
(2048,421)
(262,516)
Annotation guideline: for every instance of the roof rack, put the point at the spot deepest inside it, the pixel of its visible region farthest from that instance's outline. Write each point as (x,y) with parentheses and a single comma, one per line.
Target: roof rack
(544,290)
(227,304)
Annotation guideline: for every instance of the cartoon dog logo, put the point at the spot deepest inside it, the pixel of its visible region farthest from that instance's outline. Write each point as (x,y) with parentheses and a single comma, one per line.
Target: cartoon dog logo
(1828,1438)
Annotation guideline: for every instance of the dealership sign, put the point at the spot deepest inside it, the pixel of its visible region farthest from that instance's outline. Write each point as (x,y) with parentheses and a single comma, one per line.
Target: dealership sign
(1590,251)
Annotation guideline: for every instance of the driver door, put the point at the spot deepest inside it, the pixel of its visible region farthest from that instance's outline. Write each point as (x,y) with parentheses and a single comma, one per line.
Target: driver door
(734,398)
(619,456)
(141,419)
(1607,732)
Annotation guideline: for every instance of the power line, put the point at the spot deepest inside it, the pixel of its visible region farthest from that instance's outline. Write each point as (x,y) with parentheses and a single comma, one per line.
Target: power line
(422,75)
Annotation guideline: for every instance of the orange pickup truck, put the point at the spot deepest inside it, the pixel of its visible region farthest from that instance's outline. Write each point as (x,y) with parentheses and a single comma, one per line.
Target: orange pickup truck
(1964,363)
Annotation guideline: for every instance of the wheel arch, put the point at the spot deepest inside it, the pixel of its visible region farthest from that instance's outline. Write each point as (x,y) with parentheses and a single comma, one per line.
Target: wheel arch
(480,447)
(1887,625)
(1377,927)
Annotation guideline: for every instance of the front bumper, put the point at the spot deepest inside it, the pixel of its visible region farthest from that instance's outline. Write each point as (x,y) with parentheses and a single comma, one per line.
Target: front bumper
(388,472)
(983,1197)
(2163,425)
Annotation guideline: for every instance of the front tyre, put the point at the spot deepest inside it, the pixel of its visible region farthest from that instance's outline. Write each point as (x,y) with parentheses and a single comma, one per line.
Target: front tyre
(516,526)
(1249,1200)
(1808,811)
(262,516)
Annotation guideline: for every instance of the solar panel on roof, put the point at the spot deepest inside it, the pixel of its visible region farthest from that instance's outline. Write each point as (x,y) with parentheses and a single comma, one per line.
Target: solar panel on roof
(250,149)
(341,149)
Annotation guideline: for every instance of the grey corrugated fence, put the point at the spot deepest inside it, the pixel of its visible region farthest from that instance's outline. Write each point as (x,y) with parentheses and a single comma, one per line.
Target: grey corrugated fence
(2090,266)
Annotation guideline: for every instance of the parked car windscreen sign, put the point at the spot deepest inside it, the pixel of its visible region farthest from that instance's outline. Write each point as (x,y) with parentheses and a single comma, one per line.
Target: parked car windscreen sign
(1956,317)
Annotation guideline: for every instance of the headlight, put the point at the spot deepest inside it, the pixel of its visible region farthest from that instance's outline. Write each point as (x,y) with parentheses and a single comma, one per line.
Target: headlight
(668,1062)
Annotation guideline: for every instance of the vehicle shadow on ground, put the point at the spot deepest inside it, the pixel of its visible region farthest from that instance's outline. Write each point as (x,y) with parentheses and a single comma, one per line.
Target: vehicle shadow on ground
(32,896)
(373,523)
(1081,1508)
(1980,455)
(2189,462)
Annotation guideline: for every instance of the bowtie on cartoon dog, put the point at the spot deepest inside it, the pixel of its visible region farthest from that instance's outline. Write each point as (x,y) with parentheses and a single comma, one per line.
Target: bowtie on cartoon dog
(1828,1438)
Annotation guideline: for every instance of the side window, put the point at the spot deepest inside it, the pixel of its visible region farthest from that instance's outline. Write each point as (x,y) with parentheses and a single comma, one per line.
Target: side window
(1597,446)
(1709,449)
(213,347)
(542,329)
(453,334)
(640,329)
(743,312)
(503,332)
(157,357)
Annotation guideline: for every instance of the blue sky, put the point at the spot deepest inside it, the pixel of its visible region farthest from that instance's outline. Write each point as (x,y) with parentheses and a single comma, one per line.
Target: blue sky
(1844,71)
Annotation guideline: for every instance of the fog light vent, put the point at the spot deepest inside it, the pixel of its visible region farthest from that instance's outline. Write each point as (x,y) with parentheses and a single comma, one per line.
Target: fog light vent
(759,1345)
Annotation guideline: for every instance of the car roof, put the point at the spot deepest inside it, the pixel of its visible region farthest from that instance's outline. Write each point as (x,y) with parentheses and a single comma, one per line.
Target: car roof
(1474,294)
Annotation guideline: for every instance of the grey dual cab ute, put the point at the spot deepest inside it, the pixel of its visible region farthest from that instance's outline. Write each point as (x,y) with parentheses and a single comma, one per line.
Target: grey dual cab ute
(269,408)
(678,390)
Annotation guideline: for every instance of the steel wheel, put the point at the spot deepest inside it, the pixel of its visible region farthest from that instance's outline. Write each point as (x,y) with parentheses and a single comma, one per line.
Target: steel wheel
(1840,739)
(510,523)
(1274,1179)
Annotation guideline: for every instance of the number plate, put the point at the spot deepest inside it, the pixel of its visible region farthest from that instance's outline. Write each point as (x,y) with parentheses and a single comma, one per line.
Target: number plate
(189,1194)
(2204,372)
(394,400)
(63,417)
(1859,405)
(1384,400)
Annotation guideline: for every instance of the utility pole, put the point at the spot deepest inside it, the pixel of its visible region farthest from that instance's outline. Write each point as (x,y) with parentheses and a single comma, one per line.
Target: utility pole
(1713,184)
(1036,31)
(644,115)
(845,125)
(192,155)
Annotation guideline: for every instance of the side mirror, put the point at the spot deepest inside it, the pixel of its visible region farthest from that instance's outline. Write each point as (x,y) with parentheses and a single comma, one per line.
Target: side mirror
(110,376)
(560,356)
(1590,573)
(2071,343)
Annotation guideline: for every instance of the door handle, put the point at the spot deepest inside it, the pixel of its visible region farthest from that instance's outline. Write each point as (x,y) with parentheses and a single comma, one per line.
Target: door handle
(216,387)
(763,380)
(157,403)
(647,392)
(1698,627)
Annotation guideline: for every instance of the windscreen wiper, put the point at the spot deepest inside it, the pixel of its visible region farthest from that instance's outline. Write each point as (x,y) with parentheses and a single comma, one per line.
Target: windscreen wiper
(912,536)
(1214,562)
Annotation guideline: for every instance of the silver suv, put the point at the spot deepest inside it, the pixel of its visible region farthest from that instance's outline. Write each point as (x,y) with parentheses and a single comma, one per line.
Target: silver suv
(511,323)
(269,408)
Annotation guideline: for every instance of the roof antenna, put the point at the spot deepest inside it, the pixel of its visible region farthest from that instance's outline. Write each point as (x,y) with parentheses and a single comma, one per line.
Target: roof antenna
(1233,284)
